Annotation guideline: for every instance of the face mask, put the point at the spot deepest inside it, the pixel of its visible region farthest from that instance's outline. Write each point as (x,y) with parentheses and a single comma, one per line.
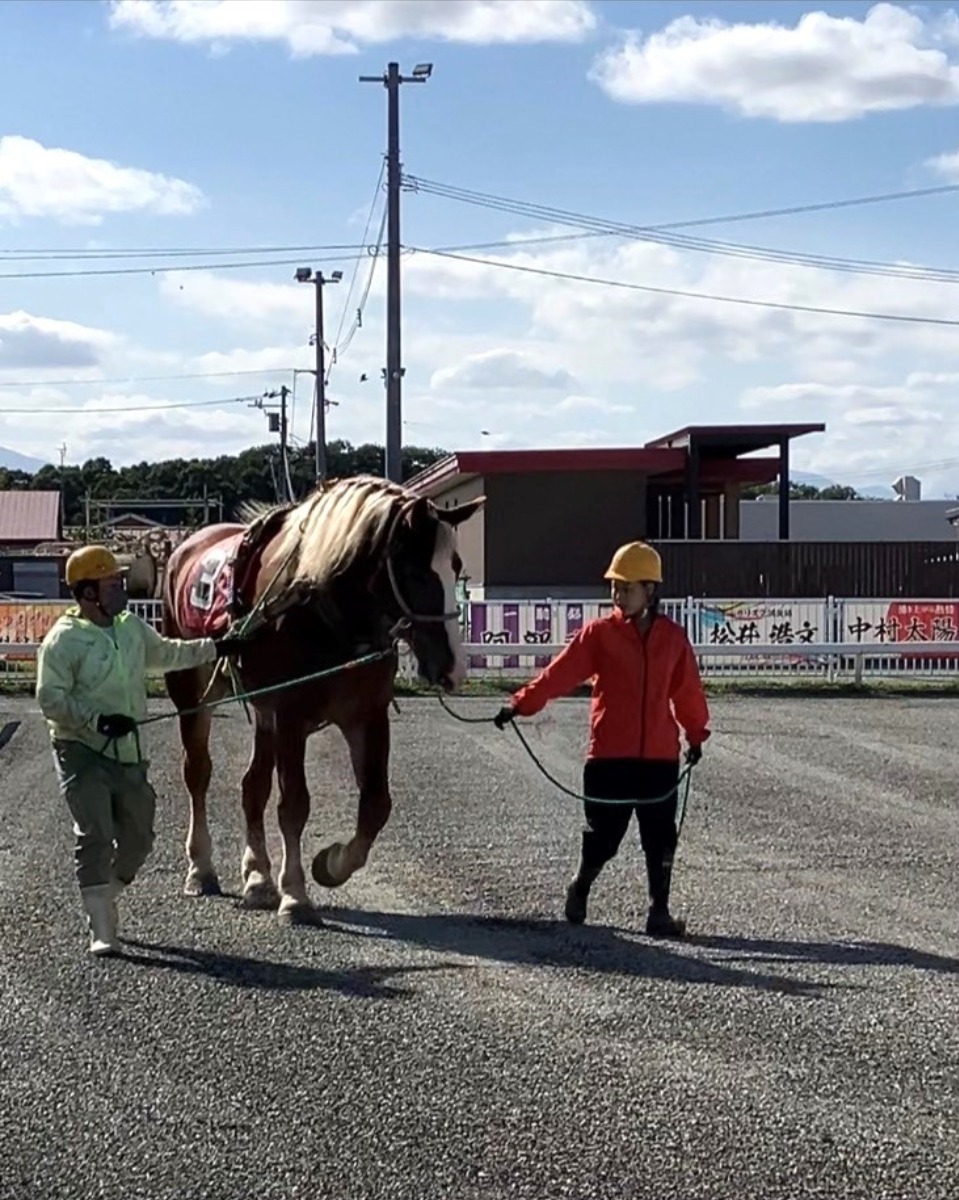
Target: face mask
(113,599)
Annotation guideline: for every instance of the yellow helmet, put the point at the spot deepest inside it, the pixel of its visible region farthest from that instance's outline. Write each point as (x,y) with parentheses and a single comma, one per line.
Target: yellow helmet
(636,562)
(91,562)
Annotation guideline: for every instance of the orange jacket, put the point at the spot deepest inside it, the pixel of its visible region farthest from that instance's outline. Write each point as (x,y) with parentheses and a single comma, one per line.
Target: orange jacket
(644,687)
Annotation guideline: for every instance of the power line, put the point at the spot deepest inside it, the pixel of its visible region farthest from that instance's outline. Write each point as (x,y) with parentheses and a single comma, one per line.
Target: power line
(450,191)
(125,408)
(356,269)
(160,269)
(70,255)
(341,347)
(660,234)
(794,258)
(30,383)
(661,291)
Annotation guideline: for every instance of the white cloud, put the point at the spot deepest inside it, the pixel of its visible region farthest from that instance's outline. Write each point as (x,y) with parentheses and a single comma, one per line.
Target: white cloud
(664,340)
(42,344)
(497,370)
(143,429)
(631,363)
(43,181)
(946,165)
(240,300)
(824,68)
(313,27)
(875,432)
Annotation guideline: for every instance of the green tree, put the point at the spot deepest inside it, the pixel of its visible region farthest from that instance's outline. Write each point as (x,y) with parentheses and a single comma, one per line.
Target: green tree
(803,491)
(253,475)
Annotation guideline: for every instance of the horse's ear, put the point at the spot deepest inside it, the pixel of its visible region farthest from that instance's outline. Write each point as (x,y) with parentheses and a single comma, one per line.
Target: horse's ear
(461,512)
(418,514)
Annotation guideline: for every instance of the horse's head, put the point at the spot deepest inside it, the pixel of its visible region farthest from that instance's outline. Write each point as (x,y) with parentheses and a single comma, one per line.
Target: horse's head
(375,558)
(422,566)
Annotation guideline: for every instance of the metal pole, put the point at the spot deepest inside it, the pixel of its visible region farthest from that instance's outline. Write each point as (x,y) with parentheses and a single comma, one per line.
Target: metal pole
(391,80)
(320,392)
(62,450)
(284,392)
(394,399)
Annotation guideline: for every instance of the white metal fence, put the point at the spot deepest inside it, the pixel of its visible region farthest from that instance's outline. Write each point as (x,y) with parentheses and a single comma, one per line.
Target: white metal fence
(831,638)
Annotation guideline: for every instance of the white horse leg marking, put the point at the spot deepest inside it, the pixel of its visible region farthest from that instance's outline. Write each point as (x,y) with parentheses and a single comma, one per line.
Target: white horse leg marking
(259,890)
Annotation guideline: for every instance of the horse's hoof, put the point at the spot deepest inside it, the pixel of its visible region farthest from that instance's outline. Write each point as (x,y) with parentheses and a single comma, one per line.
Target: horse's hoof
(298,912)
(321,869)
(261,895)
(202,885)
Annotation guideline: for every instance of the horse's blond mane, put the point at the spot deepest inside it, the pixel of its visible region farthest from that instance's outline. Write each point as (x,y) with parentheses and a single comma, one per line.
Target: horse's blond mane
(324,534)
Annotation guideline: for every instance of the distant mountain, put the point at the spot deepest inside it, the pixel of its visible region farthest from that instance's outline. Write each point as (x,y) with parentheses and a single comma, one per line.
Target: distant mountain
(821,481)
(14,461)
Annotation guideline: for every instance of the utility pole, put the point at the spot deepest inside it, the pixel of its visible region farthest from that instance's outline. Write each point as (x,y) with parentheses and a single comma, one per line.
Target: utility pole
(319,281)
(62,451)
(391,80)
(278,424)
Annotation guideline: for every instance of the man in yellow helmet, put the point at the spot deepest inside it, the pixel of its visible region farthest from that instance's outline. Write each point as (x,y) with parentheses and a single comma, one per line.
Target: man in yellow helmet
(91,688)
(646,686)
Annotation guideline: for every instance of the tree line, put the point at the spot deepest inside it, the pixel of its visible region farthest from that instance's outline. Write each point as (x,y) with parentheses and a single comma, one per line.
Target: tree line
(256,474)
(804,491)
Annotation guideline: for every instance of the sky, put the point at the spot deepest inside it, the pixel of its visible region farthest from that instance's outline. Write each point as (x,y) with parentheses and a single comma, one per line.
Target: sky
(166,166)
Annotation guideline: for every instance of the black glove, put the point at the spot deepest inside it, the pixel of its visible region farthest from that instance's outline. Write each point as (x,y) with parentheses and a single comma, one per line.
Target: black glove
(693,755)
(504,716)
(115,725)
(230,646)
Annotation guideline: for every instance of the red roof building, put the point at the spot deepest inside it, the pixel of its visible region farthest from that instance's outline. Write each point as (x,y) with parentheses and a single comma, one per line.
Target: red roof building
(552,517)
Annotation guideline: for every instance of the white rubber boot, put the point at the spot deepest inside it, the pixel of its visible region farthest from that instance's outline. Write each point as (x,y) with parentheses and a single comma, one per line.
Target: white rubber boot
(117,888)
(101,917)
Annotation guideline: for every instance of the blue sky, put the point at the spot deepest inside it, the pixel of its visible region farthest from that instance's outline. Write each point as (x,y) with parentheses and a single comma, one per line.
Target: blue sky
(234,124)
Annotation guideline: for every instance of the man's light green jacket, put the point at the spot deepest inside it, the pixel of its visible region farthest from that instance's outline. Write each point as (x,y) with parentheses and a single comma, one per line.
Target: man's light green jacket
(85,671)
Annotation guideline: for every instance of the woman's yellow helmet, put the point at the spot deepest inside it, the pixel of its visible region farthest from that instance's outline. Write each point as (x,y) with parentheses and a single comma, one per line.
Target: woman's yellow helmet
(636,562)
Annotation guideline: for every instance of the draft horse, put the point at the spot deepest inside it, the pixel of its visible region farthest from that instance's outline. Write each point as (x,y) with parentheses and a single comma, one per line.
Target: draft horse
(324,582)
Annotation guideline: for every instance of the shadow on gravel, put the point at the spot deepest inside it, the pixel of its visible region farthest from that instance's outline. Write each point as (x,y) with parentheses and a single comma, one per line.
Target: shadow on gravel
(238,971)
(551,943)
(7,732)
(839,954)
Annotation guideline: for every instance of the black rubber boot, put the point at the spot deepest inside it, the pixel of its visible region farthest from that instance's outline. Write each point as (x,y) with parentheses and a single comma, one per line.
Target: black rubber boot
(659,923)
(576,896)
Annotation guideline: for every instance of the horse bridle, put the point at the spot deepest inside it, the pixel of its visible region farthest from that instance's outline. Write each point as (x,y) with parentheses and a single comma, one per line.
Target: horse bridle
(411,617)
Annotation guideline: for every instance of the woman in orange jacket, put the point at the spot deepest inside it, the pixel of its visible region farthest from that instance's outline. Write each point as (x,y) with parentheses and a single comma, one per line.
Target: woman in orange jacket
(646,684)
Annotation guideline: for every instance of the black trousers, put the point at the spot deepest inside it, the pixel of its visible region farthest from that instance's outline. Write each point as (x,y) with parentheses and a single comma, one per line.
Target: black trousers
(606,824)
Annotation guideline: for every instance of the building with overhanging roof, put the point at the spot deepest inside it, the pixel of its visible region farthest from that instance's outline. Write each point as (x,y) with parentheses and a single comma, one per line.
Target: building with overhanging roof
(552,517)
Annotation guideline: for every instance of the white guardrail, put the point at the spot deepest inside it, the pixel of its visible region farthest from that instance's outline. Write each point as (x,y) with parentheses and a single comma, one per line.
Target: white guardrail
(830,638)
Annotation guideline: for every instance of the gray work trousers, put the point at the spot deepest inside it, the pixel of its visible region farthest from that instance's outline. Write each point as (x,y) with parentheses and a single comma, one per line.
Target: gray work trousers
(112,805)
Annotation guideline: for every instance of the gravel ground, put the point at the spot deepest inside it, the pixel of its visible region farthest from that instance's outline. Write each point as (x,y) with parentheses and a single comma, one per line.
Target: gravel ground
(447,1035)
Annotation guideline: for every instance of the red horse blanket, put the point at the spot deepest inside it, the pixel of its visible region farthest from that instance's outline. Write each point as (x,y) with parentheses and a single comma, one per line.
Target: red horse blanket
(207,598)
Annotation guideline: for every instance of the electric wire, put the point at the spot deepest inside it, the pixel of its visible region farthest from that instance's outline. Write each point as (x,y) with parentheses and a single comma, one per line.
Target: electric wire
(660,233)
(77,255)
(624,285)
(32,383)
(377,192)
(126,408)
(160,269)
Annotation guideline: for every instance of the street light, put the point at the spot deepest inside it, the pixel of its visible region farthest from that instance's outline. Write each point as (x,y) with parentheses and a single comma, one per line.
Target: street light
(319,280)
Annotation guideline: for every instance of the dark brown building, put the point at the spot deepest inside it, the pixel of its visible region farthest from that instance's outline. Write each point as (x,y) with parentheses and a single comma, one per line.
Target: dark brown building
(552,517)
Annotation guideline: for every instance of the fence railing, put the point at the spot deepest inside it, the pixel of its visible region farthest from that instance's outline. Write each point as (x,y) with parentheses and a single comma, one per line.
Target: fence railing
(832,637)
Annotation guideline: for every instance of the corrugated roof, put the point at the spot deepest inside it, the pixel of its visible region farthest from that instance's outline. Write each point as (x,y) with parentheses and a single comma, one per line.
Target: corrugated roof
(29,516)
